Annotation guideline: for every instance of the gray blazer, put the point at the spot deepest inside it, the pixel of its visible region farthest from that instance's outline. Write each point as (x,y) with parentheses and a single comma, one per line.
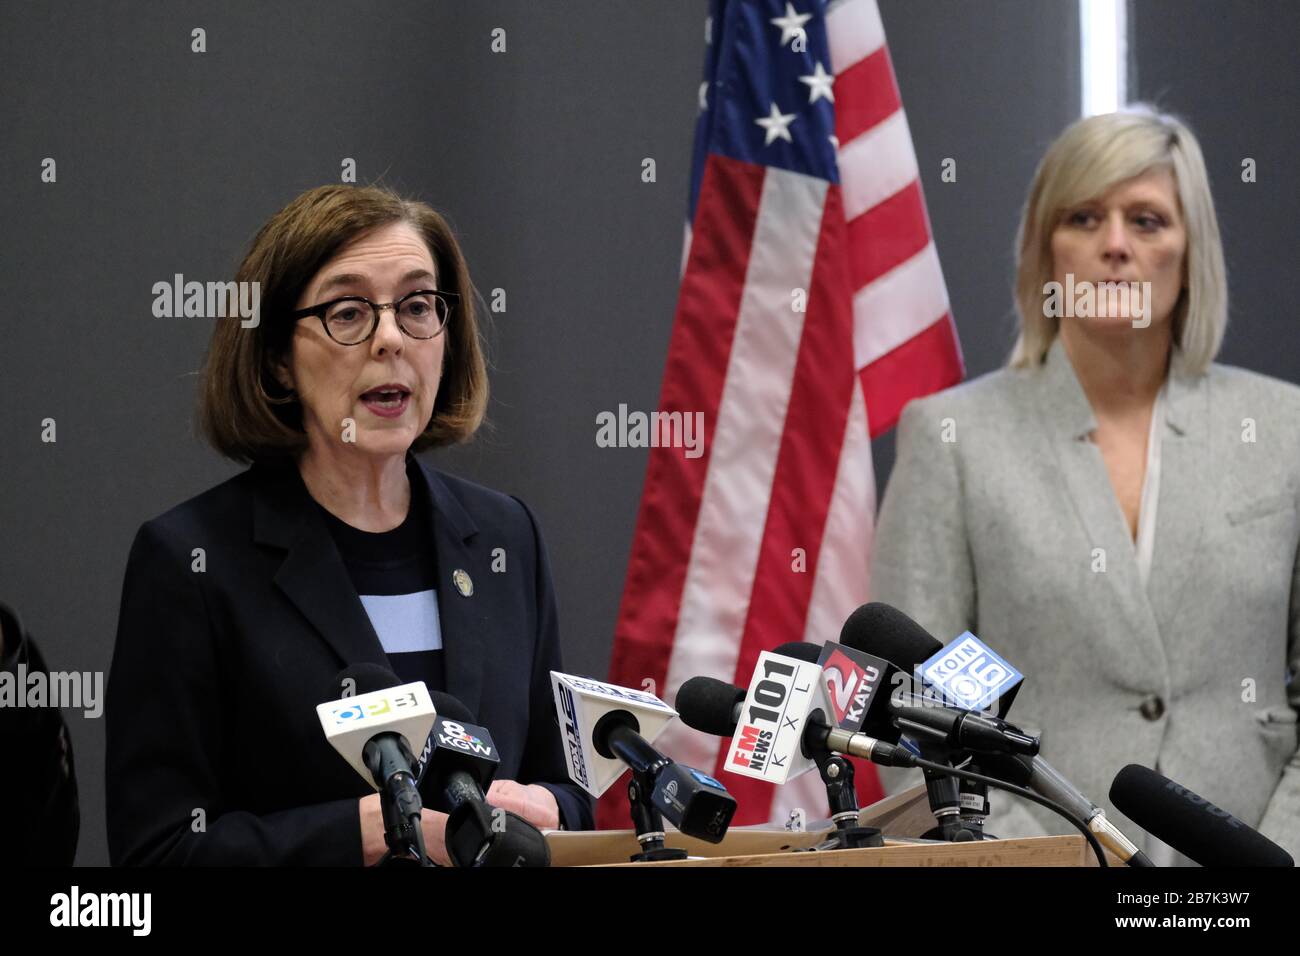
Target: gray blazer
(1001,528)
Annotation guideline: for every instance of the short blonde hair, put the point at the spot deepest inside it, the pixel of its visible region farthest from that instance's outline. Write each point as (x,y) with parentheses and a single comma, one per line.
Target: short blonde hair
(243,411)
(1088,158)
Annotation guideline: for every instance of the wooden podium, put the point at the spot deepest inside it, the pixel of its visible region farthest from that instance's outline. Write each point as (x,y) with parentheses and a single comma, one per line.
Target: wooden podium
(902,818)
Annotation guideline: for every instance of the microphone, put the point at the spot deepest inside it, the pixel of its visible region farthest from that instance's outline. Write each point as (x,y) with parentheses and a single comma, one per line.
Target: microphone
(854,677)
(965,730)
(372,726)
(458,764)
(608,729)
(891,634)
(694,802)
(710,706)
(1190,823)
(881,630)
(714,707)
(887,633)
(880,749)
(845,699)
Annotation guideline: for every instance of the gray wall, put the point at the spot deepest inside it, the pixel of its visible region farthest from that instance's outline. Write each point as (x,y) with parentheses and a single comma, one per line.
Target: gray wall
(168,161)
(1231,70)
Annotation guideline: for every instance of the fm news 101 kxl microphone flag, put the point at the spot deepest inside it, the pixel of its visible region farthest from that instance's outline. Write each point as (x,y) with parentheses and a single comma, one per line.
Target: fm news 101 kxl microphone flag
(766,747)
(722,709)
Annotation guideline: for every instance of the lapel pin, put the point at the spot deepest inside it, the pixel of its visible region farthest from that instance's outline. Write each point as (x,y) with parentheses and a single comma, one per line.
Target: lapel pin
(461,579)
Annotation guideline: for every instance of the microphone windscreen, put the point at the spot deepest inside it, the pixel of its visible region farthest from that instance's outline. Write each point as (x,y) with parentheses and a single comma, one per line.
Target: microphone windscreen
(800,651)
(1189,823)
(448,777)
(887,632)
(522,844)
(358,679)
(474,837)
(450,708)
(708,705)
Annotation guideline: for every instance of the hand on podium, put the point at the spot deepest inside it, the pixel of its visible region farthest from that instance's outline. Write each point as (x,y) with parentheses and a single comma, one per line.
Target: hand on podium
(534,803)
(432,824)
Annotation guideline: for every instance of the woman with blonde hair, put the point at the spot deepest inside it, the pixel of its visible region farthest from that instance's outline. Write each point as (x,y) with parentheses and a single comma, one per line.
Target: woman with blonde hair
(1113,512)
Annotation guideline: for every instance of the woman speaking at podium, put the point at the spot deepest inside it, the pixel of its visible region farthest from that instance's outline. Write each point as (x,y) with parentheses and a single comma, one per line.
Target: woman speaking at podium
(337,547)
(1114,513)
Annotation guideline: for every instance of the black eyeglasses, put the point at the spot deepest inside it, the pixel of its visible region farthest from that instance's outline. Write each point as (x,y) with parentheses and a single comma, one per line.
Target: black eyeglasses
(352,319)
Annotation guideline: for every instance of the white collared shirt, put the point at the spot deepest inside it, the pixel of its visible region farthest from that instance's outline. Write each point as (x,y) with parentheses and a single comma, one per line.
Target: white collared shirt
(1146,529)
(1159,852)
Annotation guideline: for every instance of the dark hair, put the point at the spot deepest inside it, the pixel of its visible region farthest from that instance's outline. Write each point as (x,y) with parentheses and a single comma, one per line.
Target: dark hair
(243,411)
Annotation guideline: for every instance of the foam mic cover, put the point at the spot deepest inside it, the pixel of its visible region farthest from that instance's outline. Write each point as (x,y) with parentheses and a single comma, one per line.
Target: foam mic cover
(358,679)
(887,632)
(800,651)
(450,708)
(1189,823)
(709,705)
(474,841)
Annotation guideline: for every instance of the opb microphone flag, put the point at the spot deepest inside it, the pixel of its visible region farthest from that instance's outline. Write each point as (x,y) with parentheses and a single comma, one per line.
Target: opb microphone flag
(352,721)
(768,743)
(969,675)
(580,702)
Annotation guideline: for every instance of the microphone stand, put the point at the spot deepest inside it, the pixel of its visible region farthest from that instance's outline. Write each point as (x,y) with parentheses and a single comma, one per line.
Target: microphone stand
(402,831)
(648,821)
(837,774)
(974,798)
(945,800)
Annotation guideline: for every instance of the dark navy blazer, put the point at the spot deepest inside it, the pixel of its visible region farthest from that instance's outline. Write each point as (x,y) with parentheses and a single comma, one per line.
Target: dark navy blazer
(215,753)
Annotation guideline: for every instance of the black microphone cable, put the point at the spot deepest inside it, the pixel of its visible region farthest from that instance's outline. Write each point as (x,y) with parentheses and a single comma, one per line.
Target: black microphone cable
(1056,808)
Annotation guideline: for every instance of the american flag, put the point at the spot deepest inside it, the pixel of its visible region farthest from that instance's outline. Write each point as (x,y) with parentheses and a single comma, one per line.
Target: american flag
(812,308)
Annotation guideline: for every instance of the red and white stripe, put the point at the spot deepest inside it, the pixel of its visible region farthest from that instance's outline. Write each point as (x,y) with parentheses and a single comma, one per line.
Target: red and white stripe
(791,400)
